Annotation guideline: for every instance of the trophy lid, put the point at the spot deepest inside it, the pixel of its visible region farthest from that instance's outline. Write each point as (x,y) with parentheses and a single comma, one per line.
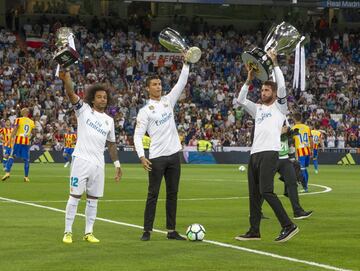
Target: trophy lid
(171,40)
(283,38)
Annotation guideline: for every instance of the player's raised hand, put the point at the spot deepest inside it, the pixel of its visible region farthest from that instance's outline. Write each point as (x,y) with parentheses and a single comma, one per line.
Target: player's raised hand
(146,163)
(251,73)
(273,55)
(64,75)
(118,174)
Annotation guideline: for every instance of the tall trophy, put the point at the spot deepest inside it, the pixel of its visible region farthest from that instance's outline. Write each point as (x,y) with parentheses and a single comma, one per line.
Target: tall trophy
(65,53)
(171,40)
(282,38)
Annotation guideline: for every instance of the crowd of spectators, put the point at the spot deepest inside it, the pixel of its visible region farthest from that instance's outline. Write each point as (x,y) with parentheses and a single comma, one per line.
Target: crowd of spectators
(113,55)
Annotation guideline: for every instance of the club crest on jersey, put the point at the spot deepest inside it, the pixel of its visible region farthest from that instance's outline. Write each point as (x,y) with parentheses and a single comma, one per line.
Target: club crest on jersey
(151,107)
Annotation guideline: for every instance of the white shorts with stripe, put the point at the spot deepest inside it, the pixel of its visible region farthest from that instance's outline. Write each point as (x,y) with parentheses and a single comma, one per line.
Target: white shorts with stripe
(86,177)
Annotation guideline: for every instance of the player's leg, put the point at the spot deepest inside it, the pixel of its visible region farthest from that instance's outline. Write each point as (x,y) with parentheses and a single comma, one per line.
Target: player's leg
(13,153)
(255,201)
(267,173)
(25,154)
(94,190)
(66,155)
(304,172)
(172,177)
(315,161)
(307,163)
(6,152)
(155,177)
(77,180)
(287,172)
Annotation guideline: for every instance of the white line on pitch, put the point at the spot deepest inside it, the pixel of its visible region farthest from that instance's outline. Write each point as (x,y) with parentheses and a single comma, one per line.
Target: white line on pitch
(254,251)
(326,190)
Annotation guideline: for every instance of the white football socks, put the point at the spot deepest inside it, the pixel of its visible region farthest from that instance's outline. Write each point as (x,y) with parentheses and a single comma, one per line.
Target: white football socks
(71,208)
(90,214)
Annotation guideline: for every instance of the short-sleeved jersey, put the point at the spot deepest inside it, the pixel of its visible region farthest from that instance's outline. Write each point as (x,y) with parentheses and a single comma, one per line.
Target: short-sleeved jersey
(6,136)
(316,136)
(302,139)
(70,140)
(24,128)
(93,130)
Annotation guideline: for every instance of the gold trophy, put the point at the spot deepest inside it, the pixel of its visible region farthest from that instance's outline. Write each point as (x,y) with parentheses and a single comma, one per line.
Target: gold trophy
(282,38)
(65,53)
(171,40)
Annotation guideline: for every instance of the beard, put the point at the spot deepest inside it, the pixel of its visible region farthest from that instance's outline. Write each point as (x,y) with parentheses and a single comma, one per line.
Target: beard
(266,100)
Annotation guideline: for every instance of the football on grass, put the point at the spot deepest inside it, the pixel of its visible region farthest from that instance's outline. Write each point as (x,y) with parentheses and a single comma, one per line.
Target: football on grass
(195,232)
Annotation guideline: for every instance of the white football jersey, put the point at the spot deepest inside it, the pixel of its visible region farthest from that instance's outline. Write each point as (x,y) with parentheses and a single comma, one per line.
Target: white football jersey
(268,119)
(157,119)
(268,123)
(93,130)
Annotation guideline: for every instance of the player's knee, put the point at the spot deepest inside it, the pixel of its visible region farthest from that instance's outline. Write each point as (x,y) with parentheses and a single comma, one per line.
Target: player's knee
(267,195)
(153,195)
(172,194)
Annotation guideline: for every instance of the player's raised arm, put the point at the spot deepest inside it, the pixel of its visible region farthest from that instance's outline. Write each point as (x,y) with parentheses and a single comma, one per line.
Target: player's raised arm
(180,85)
(280,81)
(248,105)
(69,87)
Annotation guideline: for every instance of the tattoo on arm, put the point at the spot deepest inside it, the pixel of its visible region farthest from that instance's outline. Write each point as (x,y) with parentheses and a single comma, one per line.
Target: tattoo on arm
(112,151)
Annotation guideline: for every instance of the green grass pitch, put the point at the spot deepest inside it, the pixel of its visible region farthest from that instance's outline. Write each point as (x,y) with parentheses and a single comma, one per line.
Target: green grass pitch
(212,195)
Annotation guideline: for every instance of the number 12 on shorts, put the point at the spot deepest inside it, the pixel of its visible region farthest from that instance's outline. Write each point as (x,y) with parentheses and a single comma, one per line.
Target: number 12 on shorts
(74,181)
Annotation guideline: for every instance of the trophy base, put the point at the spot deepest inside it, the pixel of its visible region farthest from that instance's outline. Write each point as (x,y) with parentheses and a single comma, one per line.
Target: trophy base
(259,61)
(66,56)
(193,54)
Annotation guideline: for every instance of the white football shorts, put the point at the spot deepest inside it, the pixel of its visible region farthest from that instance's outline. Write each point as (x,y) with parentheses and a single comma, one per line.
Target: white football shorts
(86,177)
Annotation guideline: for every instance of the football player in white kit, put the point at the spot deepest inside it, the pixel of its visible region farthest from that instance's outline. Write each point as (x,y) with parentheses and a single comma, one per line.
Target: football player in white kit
(95,131)
(157,119)
(269,119)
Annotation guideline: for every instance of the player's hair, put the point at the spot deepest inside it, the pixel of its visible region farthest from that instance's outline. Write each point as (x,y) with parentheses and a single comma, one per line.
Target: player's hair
(317,126)
(272,84)
(297,116)
(151,77)
(24,111)
(91,91)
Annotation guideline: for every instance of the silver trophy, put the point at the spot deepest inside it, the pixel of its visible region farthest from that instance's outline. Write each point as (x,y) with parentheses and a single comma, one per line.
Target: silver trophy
(171,40)
(282,38)
(65,53)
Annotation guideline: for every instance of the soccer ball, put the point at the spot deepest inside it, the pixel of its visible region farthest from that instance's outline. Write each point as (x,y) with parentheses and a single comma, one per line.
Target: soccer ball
(195,232)
(242,168)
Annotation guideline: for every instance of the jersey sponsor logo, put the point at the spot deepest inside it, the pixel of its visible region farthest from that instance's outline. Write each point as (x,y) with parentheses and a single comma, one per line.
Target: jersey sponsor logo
(263,116)
(164,118)
(151,107)
(96,126)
